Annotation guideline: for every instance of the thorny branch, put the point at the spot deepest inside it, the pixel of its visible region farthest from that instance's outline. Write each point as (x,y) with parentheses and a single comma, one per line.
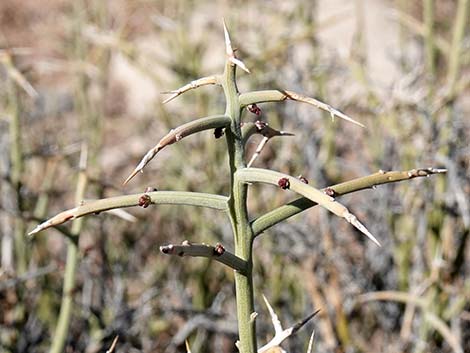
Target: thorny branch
(217,253)
(282,213)
(279,333)
(204,81)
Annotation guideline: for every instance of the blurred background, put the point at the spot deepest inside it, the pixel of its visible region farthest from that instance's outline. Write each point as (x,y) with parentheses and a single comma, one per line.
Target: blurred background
(92,71)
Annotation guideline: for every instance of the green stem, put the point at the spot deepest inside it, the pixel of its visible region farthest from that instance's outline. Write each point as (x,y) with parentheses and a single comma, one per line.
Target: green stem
(243,234)
(284,212)
(17,167)
(216,202)
(428,14)
(66,307)
(454,56)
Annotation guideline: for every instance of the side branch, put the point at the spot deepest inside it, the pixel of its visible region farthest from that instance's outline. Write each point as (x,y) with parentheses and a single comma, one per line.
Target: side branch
(262,128)
(204,81)
(284,212)
(217,202)
(217,253)
(175,135)
(284,181)
(256,97)
(281,334)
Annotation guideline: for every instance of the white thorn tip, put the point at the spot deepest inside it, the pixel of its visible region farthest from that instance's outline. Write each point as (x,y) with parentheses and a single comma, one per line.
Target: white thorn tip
(240,64)
(355,222)
(228,43)
(35,230)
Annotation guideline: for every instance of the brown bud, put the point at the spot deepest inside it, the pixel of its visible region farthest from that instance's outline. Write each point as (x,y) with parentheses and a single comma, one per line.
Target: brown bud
(166,249)
(219,249)
(283,183)
(219,132)
(253,108)
(144,201)
(330,192)
(303,179)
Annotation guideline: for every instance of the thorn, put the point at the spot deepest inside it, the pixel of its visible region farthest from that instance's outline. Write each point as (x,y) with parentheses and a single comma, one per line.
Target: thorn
(133,174)
(274,318)
(315,102)
(253,316)
(228,43)
(355,222)
(310,342)
(37,229)
(229,50)
(240,64)
(299,325)
(209,80)
(258,151)
(188,349)
(113,345)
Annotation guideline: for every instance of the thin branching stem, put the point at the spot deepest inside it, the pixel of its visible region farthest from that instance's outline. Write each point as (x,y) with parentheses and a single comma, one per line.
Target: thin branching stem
(256,97)
(284,212)
(217,253)
(154,198)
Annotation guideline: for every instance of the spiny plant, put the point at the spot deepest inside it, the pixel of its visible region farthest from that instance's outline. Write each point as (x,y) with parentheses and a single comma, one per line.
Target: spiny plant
(242,176)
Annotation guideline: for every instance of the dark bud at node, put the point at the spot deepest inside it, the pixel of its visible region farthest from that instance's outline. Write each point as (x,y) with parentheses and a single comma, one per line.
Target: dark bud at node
(219,249)
(253,108)
(144,201)
(303,179)
(330,192)
(283,183)
(219,132)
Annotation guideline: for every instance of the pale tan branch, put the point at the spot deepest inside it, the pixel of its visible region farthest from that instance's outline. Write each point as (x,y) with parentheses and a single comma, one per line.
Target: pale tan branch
(178,134)
(280,335)
(256,97)
(204,81)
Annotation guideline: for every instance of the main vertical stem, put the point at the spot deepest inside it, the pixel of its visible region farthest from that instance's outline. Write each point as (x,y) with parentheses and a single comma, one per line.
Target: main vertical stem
(243,233)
